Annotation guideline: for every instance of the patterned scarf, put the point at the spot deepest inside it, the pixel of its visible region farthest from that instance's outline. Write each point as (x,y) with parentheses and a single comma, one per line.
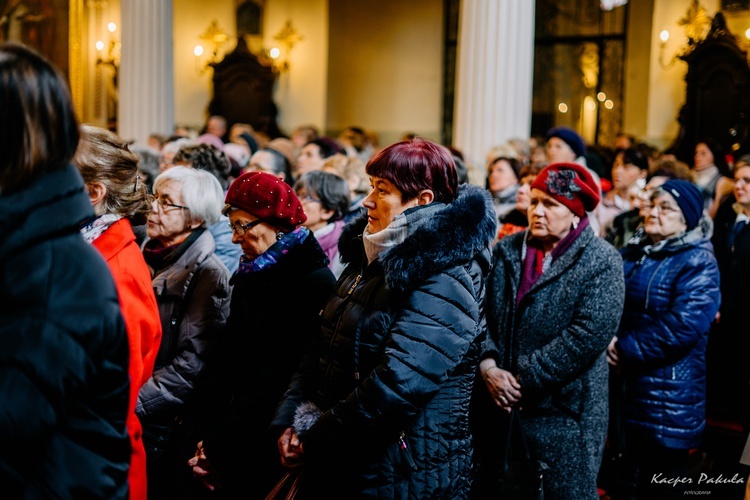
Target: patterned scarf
(535,263)
(274,253)
(93,228)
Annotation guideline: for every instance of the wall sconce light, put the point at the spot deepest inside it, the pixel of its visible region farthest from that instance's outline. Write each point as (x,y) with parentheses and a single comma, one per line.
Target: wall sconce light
(287,37)
(112,56)
(215,37)
(695,22)
(108,55)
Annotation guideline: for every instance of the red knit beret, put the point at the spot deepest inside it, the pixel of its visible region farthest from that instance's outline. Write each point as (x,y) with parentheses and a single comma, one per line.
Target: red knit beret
(570,184)
(267,197)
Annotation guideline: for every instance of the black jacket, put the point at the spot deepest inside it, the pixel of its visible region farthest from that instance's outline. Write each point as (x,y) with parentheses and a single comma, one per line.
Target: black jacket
(63,350)
(397,359)
(274,317)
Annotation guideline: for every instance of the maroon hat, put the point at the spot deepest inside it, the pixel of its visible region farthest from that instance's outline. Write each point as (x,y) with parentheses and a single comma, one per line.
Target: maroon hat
(570,184)
(267,197)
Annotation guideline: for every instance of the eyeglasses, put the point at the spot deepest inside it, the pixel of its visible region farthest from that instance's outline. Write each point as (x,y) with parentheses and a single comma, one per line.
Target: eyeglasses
(163,205)
(661,208)
(742,180)
(241,229)
(310,198)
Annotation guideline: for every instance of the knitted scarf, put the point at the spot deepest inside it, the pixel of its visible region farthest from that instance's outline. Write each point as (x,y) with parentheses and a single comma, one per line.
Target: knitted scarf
(535,263)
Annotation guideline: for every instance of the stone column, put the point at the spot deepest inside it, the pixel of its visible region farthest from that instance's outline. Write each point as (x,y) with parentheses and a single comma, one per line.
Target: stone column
(494,77)
(146,103)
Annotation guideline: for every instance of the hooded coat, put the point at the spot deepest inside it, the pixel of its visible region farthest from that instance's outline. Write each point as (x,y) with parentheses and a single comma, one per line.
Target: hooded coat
(558,335)
(63,350)
(672,298)
(393,370)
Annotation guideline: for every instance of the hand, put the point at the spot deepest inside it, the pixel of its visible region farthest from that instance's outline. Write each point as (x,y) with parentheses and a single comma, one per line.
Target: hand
(503,387)
(612,357)
(290,448)
(202,469)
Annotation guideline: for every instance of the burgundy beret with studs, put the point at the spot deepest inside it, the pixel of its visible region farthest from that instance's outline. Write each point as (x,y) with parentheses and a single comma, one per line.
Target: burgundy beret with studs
(267,197)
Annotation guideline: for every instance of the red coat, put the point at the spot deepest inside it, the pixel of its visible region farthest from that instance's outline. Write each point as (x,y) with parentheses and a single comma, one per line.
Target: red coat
(141,314)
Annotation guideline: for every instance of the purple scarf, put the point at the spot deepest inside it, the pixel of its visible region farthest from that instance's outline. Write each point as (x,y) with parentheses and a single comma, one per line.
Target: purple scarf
(531,268)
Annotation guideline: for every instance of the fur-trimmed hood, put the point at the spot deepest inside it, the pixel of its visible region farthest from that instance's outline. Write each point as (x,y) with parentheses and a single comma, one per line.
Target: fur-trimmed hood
(458,232)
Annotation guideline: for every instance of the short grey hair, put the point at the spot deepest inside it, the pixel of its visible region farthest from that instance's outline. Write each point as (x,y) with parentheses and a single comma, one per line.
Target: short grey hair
(200,190)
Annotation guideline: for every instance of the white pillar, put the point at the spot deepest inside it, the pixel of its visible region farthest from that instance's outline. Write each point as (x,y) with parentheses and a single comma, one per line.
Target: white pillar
(146,72)
(494,81)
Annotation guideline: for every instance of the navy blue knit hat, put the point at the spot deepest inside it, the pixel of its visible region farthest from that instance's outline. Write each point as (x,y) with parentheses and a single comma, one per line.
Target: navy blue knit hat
(689,198)
(570,137)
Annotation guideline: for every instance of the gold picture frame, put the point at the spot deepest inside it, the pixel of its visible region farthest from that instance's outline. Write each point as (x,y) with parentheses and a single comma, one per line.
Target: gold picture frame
(54,28)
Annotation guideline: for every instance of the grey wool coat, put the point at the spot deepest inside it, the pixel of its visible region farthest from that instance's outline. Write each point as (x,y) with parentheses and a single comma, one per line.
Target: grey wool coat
(560,332)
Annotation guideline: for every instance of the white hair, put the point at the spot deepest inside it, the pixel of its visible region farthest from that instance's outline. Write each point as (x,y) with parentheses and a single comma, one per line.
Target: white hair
(200,190)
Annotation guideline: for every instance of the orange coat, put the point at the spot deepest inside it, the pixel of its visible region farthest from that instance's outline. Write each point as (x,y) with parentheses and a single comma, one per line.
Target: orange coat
(141,314)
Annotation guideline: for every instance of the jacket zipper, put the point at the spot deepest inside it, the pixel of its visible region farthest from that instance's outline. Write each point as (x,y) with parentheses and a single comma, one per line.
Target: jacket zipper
(405,450)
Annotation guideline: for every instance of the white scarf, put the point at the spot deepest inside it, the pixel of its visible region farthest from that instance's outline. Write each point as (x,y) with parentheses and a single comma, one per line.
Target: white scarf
(95,228)
(397,231)
(390,236)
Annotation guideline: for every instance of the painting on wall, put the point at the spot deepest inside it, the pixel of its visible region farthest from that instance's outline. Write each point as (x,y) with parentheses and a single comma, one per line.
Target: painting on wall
(250,23)
(39,24)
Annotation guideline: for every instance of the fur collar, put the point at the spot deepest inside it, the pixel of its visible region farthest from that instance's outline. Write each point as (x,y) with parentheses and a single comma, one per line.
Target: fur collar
(460,231)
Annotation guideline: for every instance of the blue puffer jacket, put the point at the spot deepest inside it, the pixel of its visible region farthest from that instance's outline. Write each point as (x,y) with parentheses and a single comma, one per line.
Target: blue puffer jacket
(396,361)
(672,296)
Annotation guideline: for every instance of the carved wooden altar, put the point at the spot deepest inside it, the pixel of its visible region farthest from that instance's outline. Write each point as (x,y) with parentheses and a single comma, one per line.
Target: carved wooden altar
(717,100)
(243,91)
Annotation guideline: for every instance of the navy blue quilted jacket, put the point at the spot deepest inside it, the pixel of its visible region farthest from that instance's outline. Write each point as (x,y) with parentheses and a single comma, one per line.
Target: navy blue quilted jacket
(397,358)
(672,296)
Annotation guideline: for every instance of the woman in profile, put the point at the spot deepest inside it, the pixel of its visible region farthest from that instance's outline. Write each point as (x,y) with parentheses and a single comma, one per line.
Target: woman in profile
(110,171)
(63,344)
(192,290)
(281,286)
(379,407)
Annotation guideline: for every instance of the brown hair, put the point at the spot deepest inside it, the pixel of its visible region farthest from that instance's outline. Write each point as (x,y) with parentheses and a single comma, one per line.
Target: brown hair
(104,157)
(39,130)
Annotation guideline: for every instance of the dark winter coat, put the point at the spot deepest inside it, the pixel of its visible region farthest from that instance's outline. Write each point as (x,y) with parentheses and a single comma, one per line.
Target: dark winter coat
(728,371)
(63,350)
(193,296)
(672,298)
(274,317)
(397,359)
(560,331)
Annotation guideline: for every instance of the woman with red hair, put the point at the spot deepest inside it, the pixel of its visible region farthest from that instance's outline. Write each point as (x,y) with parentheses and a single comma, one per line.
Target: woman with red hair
(379,407)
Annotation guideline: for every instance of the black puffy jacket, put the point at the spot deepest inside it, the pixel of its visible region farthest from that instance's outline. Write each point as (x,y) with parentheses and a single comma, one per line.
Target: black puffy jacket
(63,350)
(397,358)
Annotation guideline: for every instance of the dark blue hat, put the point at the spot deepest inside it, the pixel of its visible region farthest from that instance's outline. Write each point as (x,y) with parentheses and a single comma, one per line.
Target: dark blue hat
(570,137)
(689,198)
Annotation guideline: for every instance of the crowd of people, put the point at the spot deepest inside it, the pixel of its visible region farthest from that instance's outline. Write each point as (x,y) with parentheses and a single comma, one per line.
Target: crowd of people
(204,316)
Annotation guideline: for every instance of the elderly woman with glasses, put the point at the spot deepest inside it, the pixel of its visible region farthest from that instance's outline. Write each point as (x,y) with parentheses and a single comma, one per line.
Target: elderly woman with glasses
(278,292)
(672,296)
(192,290)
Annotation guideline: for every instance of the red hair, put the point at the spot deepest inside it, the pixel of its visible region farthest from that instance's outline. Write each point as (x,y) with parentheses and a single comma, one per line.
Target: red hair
(415,165)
